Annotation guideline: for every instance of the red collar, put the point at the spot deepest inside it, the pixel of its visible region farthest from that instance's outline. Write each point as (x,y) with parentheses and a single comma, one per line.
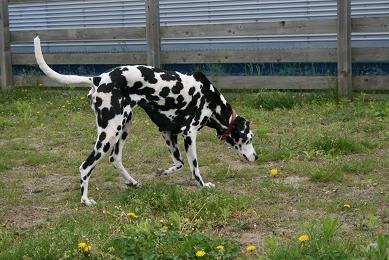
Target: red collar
(230,126)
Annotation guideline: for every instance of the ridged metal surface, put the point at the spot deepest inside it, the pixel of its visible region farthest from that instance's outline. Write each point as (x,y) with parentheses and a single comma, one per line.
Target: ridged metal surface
(54,14)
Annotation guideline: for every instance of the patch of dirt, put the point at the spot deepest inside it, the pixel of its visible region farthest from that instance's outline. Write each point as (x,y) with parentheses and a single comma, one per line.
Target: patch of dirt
(41,193)
(295,181)
(24,217)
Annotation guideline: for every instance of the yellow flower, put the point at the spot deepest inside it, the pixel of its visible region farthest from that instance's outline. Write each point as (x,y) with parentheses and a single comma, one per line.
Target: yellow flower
(303,238)
(220,247)
(200,253)
(87,249)
(273,172)
(132,215)
(251,248)
(82,245)
(347,206)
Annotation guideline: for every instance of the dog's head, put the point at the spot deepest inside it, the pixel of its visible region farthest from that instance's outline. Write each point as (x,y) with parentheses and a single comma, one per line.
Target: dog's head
(241,138)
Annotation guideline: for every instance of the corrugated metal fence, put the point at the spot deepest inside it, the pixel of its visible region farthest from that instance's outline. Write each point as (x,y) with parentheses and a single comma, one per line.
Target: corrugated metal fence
(55,14)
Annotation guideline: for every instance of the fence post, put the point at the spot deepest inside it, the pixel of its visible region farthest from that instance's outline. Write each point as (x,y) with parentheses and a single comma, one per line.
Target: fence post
(152,33)
(344,49)
(5,47)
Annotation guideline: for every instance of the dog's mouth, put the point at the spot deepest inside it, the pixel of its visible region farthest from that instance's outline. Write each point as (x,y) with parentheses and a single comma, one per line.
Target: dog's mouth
(244,158)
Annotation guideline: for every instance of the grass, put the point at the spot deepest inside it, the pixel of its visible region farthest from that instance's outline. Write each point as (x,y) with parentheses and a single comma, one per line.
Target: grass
(328,154)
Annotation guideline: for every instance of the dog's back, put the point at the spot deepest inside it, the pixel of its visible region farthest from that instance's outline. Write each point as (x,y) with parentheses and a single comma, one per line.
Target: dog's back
(171,99)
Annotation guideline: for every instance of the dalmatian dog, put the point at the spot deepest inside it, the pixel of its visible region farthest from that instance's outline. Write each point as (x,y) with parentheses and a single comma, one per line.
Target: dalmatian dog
(179,104)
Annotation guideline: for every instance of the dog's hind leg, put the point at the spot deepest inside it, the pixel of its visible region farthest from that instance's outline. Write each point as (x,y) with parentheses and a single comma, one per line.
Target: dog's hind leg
(116,155)
(103,143)
(190,147)
(171,141)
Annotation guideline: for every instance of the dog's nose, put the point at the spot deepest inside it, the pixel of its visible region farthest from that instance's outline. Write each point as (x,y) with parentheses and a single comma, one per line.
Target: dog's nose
(256,156)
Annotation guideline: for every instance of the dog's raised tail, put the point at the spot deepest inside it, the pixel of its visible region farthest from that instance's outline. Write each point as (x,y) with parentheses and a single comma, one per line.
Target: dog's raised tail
(65,79)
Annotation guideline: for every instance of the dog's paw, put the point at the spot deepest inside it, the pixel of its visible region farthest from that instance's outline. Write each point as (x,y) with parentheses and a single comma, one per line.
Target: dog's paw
(133,185)
(209,185)
(88,202)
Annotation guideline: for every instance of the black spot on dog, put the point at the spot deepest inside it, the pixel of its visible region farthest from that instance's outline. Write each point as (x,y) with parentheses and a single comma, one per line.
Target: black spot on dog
(111,159)
(168,142)
(98,155)
(98,103)
(197,178)
(170,102)
(176,154)
(105,88)
(138,85)
(89,161)
(164,92)
(195,163)
(170,75)
(117,148)
(191,91)
(199,76)
(106,147)
(98,145)
(147,74)
(177,88)
(118,80)
(96,81)
(187,142)
(102,136)
(180,99)
(124,135)
(82,190)
(119,127)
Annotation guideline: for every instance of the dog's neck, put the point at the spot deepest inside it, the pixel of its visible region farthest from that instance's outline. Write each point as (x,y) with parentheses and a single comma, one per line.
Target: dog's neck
(221,116)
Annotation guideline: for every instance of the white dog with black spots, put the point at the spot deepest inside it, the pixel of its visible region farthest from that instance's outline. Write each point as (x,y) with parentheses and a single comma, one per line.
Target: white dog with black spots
(179,104)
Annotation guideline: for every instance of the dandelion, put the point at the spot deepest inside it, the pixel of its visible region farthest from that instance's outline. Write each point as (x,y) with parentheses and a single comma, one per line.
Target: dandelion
(87,249)
(220,247)
(132,215)
(200,253)
(347,206)
(273,172)
(303,238)
(251,248)
(82,245)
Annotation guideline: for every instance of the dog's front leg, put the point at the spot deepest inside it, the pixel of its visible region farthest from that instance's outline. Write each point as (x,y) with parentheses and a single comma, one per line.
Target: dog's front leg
(190,147)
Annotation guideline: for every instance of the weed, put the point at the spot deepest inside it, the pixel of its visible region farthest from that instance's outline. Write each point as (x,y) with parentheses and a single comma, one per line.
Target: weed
(335,144)
(146,240)
(322,243)
(273,100)
(201,207)
(378,249)
(359,166)
(325,175)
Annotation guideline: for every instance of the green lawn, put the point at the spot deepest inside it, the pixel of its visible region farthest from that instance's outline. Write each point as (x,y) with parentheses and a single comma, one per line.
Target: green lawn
(332,183)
